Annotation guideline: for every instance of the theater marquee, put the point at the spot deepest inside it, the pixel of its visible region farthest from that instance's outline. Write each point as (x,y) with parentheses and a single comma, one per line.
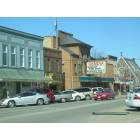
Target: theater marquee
(96,67)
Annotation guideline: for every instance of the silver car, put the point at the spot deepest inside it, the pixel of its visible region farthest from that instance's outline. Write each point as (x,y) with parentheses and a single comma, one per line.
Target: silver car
(25,98)
(62,96)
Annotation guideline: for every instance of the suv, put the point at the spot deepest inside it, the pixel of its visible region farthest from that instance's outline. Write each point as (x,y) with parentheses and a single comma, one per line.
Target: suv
(97,89)
(86,91)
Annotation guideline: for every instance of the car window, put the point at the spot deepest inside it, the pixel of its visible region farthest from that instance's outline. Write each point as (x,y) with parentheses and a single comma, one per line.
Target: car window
(82,89)
(86,90)
(68,92)
(57,93)
(137,90)
(94,89)
(25,94)
(100,89)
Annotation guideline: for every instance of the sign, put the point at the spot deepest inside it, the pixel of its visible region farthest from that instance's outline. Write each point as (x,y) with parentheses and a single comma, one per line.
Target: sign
(96,67)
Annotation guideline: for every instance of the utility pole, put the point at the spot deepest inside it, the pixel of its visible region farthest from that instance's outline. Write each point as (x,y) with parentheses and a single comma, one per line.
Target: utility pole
(56,33)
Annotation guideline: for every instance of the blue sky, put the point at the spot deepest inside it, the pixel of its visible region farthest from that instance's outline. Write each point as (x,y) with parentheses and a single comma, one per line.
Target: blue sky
(109,36)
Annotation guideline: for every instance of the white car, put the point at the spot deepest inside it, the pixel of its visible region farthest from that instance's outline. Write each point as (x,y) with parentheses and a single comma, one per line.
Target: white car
(133,98)
(76,96)
(25,98)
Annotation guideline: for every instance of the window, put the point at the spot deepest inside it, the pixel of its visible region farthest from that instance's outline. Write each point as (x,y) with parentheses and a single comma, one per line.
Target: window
(49,65)
(58,65)
(38,59)
(5,55)
(30,58)
(22,60)
(13,56)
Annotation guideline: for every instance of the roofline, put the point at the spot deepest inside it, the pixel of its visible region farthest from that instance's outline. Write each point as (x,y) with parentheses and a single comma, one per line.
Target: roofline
(20,33)
(65,32)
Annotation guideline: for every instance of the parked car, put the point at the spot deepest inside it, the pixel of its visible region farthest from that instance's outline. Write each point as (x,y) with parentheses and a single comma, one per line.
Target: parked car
(133,98)
(97,89)
(86,91)
(25,98)
(104,95)
(62,96)
(76,96)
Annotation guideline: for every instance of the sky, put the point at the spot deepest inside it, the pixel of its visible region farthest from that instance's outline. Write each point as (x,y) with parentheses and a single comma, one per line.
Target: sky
(108,35)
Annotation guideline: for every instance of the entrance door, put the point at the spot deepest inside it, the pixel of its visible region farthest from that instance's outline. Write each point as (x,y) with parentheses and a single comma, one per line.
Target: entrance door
(18,87)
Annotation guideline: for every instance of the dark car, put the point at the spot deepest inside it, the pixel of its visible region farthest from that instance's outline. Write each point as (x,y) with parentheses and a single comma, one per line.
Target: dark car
(104,95)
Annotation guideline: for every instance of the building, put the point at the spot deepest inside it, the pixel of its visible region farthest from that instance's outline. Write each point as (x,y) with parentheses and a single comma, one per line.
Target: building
(100,73)
(75,54)
(128,73)
(21,60)
(52,63)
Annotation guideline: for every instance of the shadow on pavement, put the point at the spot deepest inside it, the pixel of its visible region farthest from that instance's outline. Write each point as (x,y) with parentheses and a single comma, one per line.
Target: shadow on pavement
(110,113)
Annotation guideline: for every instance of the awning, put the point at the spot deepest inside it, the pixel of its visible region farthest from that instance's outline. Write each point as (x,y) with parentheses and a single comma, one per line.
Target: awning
(96,79)
(21,75)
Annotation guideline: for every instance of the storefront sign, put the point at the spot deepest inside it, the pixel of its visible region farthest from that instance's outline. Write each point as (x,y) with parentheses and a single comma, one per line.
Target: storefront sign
(96,67)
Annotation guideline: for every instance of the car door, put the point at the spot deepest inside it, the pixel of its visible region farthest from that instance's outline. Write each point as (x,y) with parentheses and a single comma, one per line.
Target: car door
(57,95)
(27,98)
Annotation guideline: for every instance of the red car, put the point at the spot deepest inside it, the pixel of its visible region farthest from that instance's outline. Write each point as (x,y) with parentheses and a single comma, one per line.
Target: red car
(104,95)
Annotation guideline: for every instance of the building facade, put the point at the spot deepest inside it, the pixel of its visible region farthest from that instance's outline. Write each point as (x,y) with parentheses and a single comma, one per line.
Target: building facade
(75,54)
(100,73)
(52,63)
(21,60)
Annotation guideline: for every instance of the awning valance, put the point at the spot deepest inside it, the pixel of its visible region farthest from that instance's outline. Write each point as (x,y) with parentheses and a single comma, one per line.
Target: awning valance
(21,75)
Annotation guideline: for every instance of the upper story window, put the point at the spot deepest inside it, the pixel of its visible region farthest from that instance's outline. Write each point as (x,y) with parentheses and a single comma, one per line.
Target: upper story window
(22,57)
(38,59)
(13,56)
(5,55)
(58,65)
(30,58)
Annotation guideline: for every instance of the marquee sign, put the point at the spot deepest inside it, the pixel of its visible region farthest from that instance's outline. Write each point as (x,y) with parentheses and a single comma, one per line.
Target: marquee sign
(96,67)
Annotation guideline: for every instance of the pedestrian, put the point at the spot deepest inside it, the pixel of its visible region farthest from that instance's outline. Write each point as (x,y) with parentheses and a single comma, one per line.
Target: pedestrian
(50,95)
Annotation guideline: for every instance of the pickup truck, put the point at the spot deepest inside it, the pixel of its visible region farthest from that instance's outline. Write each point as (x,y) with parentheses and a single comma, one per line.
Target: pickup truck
(62,97)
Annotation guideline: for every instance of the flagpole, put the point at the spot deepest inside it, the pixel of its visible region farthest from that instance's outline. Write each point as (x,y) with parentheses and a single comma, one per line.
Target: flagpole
(56,33)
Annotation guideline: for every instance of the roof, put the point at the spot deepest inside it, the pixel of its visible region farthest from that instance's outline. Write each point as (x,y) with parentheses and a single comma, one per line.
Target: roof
(70,52)
(20,33)
(69,40)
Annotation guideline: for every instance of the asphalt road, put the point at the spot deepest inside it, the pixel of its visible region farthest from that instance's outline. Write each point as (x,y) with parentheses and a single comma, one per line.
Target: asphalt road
(110,111)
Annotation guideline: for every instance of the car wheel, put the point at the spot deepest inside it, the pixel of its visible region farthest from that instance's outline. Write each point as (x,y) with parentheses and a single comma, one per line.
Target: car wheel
(88,97)
(11,104)
(63,100)
(77,98)
(40,102)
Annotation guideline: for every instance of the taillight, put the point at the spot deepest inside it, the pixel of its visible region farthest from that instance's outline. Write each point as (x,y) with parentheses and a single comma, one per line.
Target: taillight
(136,97)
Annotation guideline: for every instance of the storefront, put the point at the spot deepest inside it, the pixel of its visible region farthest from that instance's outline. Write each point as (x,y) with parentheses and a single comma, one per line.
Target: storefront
(90,81)
(17,80)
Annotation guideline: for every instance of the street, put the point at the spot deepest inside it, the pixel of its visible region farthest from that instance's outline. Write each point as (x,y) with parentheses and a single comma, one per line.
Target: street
(109,111)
